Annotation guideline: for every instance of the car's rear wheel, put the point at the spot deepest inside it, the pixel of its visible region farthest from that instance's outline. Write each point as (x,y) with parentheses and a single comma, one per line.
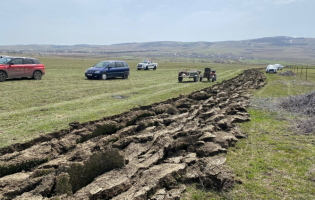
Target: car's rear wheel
(125,76)
(180,79)
(37,75)
(147,68)
(138,69)
(104,76)
(3,76)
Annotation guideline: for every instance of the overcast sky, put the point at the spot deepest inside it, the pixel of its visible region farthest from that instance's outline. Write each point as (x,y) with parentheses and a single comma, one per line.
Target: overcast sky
(101,22)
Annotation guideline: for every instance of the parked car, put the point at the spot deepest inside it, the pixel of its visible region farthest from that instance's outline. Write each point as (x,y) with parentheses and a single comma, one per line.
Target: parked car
(108,68)
(146,65)
(279,66)
(18,67)
(271,68)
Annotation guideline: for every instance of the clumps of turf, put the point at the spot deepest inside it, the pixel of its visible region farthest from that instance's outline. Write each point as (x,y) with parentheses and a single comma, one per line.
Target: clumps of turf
(81,174)
(137,117)
(27,165)
(103,128)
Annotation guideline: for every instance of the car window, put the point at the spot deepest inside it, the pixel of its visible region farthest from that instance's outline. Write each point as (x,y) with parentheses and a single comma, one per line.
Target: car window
(5,60)
(112,64)
(99,65)
(17,61)
(28,61)
(119,64)
(105,64)
(35,61)
(125,64)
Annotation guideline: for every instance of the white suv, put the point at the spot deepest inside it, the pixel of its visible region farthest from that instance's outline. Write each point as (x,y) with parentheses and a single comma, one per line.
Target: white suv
(271,68)
(279,66)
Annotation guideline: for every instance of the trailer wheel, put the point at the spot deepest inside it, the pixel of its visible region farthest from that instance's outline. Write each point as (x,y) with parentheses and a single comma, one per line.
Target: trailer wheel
(200,79)
(208,79)
(180,79)
(213,79)
(195,79)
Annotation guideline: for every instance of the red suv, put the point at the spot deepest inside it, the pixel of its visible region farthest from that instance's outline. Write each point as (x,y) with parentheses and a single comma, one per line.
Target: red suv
(17,67)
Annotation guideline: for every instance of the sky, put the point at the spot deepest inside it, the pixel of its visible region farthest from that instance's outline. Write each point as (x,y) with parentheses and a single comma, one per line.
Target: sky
(105,22)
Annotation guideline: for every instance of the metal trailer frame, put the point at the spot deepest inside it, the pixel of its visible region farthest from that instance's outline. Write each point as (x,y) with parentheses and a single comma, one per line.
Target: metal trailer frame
(192,73)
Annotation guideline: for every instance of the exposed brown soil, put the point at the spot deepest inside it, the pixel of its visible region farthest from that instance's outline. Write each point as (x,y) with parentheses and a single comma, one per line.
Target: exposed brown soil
(146,153)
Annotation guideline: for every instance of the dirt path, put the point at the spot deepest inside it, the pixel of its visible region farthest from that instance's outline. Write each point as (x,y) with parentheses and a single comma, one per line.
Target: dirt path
(146,153)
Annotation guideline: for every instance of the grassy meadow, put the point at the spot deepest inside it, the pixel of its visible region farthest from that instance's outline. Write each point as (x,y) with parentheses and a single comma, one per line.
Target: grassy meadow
(30,108)
(274,162)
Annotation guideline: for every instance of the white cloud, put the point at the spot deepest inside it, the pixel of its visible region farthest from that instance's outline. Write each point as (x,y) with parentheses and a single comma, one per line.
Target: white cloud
(282,2)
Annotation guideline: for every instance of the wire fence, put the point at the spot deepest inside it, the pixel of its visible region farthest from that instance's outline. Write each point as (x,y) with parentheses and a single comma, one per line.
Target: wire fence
(303,71)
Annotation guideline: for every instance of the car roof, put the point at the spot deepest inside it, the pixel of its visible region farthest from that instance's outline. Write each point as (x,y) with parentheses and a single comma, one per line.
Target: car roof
(112,61)
(19,57)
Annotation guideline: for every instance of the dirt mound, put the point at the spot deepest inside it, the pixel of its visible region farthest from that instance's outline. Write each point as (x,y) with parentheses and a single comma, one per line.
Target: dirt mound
(287,73)
(145,153)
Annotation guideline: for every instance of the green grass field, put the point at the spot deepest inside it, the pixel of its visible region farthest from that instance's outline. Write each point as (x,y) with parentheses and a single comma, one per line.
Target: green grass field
(30,108)
(274,162)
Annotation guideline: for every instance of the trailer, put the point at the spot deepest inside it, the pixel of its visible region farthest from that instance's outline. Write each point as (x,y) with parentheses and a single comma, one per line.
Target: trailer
(192,73)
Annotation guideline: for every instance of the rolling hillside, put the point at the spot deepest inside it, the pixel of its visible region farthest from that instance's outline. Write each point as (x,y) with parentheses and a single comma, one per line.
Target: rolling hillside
(281,48)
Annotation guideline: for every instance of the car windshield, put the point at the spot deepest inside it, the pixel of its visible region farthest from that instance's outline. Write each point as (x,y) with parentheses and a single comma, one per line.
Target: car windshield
(5,60)
(101,64)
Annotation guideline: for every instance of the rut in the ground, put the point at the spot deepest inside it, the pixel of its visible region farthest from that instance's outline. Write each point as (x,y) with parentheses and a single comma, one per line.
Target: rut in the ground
(147,153)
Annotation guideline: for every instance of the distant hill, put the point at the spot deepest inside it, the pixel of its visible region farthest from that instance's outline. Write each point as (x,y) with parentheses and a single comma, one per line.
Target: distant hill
(285,48)
(281,41)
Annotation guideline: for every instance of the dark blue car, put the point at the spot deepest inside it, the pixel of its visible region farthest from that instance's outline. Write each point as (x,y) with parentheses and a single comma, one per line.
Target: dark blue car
(108,68)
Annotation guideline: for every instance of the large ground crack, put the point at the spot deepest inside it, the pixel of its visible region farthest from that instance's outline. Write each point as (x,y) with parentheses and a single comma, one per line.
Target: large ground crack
(140,154)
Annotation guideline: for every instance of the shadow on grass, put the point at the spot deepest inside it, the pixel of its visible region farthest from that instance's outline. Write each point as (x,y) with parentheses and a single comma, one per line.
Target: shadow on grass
(108,79)
(19,79)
